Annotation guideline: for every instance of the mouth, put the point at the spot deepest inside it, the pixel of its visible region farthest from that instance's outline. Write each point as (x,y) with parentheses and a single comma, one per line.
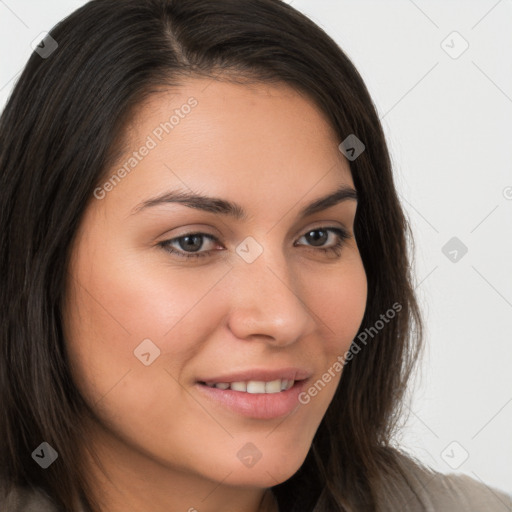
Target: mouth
(261,395)
(254,386)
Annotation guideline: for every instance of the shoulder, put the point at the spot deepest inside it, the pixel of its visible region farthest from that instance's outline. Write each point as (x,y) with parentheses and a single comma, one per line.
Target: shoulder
(25,499)
(454,492)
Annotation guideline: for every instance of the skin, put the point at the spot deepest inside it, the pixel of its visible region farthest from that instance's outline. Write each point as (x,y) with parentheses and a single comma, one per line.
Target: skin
(163,444)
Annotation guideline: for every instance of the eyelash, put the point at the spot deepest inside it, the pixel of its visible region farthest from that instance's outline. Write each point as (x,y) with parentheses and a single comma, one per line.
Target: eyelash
(335,249)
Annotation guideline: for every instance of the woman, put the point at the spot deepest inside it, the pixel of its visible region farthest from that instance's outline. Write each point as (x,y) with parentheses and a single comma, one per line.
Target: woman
(200,231)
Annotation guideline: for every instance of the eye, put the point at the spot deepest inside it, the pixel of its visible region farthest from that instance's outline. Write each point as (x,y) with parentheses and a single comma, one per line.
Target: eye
(339,236)
(189,245)
(189,242)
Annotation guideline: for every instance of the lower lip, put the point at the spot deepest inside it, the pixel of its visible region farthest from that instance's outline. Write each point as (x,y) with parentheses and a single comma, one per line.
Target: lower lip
(263,406)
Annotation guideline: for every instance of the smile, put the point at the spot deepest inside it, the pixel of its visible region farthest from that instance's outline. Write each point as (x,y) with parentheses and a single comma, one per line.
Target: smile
(254,386)
(256,399)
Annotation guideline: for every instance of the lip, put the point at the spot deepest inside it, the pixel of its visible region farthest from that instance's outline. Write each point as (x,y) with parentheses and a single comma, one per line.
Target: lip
(264,406)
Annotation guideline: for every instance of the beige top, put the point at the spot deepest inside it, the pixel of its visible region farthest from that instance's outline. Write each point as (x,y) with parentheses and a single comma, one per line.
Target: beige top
(427,491)
(452,492)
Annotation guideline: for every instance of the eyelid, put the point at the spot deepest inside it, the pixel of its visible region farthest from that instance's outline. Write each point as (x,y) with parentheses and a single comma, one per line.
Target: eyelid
(325,224)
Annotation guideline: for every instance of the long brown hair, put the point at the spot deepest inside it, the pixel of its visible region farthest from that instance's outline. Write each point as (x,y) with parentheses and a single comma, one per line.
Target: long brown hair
(59,132)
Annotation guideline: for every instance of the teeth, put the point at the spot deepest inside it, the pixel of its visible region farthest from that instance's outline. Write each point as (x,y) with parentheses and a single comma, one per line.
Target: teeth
(274,386)
(239,386)
(256,386)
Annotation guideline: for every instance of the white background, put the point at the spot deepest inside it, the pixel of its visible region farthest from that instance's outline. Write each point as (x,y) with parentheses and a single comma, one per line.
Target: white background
(448,122)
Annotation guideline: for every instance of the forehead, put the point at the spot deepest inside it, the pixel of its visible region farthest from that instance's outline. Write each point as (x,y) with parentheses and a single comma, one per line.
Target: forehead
(240,140)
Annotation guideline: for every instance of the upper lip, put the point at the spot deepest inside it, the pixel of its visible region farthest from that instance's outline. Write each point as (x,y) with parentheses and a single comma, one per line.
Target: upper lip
(260,374)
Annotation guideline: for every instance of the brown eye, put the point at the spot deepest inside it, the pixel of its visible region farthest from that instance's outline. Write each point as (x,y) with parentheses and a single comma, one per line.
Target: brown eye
(188,245)
(318,237)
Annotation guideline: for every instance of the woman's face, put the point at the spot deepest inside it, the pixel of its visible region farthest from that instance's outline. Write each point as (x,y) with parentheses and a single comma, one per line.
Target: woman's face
(262,297)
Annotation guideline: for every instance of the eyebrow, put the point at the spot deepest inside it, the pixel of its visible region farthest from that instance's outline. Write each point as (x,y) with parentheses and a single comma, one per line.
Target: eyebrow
(232,209)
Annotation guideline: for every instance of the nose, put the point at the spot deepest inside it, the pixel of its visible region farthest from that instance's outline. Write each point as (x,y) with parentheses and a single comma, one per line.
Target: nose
(266,302)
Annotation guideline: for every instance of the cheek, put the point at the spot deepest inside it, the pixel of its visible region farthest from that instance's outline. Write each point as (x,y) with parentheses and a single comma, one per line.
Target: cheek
(338,301)
(108,315)
(113,308)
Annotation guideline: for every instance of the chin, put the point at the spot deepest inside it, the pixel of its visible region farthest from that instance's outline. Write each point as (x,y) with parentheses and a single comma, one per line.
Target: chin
(268,471)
